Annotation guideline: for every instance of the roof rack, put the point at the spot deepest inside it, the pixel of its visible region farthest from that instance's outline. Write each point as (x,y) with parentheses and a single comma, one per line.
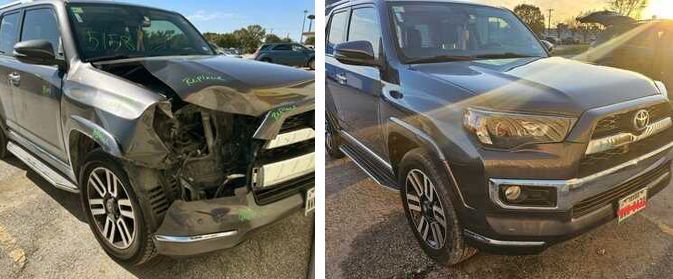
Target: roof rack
(15,3)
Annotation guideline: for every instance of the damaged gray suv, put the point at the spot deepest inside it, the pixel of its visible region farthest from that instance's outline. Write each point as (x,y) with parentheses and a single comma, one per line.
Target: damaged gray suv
(174,150)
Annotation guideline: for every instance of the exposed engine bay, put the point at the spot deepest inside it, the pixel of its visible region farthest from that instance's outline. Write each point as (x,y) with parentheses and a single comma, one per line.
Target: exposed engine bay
(212,152)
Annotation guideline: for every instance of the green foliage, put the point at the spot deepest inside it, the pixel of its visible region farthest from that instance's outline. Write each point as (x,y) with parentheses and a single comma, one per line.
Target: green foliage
(248,39)
(532,16)
(310,41)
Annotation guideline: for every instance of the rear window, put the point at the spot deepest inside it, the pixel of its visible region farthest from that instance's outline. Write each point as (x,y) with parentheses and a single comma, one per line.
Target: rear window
(8,33)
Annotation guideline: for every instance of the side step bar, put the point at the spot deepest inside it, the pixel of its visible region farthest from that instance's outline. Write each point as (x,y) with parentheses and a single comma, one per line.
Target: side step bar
(382,176)
(53,177)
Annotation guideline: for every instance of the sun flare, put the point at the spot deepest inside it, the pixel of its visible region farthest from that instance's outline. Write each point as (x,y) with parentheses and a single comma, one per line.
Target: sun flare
(660,9)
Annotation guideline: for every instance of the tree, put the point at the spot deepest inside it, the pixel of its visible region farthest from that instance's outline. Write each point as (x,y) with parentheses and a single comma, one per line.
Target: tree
(250,37)
(630,8)
(272,38)
(310,41)
(532,16)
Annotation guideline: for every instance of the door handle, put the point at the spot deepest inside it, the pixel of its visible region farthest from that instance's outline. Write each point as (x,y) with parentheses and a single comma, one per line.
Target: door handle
(396,95)
(15,79)
(341,78)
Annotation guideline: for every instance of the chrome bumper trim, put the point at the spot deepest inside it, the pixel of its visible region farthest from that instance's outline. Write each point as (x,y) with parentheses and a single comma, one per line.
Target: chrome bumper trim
(565,187)
(622,139)
(196,238)
(290,138)
(279,172)
(487,240)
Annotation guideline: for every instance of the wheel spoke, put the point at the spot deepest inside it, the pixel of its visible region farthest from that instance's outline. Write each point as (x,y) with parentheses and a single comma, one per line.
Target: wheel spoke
(439,215)
(97,184)
(97,207)
(423,228)
(111,183)
(126,236)
(428,188)
(437,234)
(413,202)
(416,183)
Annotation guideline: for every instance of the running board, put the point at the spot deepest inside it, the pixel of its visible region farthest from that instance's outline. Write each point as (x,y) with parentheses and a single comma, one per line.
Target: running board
(377,173)
(53,177)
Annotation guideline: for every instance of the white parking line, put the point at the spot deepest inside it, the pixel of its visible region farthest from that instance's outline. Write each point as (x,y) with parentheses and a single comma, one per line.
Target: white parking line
(10,247)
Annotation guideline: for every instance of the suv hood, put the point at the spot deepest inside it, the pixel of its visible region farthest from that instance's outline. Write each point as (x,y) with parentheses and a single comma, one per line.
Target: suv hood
(232,85)
(543,85)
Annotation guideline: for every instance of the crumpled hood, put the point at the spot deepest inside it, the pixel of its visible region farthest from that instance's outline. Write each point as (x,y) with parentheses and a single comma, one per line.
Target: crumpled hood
(233,85)
(548,85)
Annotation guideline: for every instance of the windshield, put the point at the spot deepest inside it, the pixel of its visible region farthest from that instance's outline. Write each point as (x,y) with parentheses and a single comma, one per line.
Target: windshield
(110,32)
(436,32)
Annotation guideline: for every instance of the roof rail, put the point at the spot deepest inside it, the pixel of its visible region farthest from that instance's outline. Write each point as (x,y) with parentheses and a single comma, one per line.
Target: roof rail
(15,3)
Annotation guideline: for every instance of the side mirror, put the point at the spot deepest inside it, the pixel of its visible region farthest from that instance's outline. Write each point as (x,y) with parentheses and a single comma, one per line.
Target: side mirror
(39,52)
(360,53)
(549,46)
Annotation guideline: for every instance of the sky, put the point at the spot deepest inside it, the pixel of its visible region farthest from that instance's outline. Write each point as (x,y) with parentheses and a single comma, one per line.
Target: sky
(566,9)
(282,16)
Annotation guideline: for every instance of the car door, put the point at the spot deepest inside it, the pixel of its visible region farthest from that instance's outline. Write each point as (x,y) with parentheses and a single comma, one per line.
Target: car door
(334,71)
(9,34)
(37,88)
(360,86)
(280,54)
(299,55)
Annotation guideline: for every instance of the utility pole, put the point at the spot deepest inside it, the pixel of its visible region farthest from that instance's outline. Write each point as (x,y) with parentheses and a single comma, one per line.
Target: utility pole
(303,25)
(549,30)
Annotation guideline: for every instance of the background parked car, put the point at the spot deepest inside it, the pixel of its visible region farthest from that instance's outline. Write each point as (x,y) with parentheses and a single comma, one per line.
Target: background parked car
(290,54)
(641,46)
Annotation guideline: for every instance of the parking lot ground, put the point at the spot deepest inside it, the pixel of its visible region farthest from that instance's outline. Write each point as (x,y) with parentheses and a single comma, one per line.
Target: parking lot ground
(368,237)
(43,234)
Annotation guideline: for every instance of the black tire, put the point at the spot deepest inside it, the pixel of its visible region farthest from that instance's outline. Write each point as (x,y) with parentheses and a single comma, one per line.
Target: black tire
(311,64)
(332,140)
(451,248)
(141,249)
(3,145)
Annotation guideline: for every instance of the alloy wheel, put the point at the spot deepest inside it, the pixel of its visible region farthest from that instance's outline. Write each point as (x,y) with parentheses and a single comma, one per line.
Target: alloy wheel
(425,208)
(111,208)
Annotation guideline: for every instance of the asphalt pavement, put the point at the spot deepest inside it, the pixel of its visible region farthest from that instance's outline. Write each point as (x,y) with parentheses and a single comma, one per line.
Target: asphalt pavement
(368,237)
(43,234)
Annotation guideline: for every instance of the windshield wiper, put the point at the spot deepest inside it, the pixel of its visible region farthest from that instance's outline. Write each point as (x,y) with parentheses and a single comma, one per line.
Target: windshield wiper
(112,57)
(505,55)
(440,58)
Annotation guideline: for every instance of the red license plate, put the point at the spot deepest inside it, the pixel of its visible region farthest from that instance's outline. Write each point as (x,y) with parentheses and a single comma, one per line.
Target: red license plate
(632,204)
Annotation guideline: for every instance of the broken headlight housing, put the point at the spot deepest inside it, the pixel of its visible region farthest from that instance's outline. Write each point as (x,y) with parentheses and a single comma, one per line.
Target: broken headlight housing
(508,130)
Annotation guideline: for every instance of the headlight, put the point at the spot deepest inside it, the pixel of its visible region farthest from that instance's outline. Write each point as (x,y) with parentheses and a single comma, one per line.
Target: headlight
(509,130)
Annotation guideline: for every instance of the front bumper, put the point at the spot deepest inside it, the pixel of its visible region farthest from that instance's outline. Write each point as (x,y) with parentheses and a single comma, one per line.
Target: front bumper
(191,228)
(526,230)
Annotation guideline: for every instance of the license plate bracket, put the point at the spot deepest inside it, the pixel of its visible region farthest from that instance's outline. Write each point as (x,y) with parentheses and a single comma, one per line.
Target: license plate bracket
(309,205)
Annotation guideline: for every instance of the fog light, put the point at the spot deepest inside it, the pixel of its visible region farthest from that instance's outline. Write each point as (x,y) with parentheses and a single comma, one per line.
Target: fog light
(512,193)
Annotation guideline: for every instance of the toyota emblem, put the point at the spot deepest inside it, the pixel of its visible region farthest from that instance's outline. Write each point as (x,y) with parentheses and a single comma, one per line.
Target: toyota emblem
(641,120)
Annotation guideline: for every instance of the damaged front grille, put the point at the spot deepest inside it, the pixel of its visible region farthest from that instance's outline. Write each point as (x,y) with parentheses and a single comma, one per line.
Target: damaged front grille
(285,169)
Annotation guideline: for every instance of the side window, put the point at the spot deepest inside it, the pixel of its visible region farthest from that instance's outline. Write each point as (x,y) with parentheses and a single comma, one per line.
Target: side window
(283,47)
(365,27)
(41,24)
(298,48)
(8,32)
(337,31)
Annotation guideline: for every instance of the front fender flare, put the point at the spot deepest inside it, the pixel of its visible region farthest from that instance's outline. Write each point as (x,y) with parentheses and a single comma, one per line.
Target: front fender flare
(97,133)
